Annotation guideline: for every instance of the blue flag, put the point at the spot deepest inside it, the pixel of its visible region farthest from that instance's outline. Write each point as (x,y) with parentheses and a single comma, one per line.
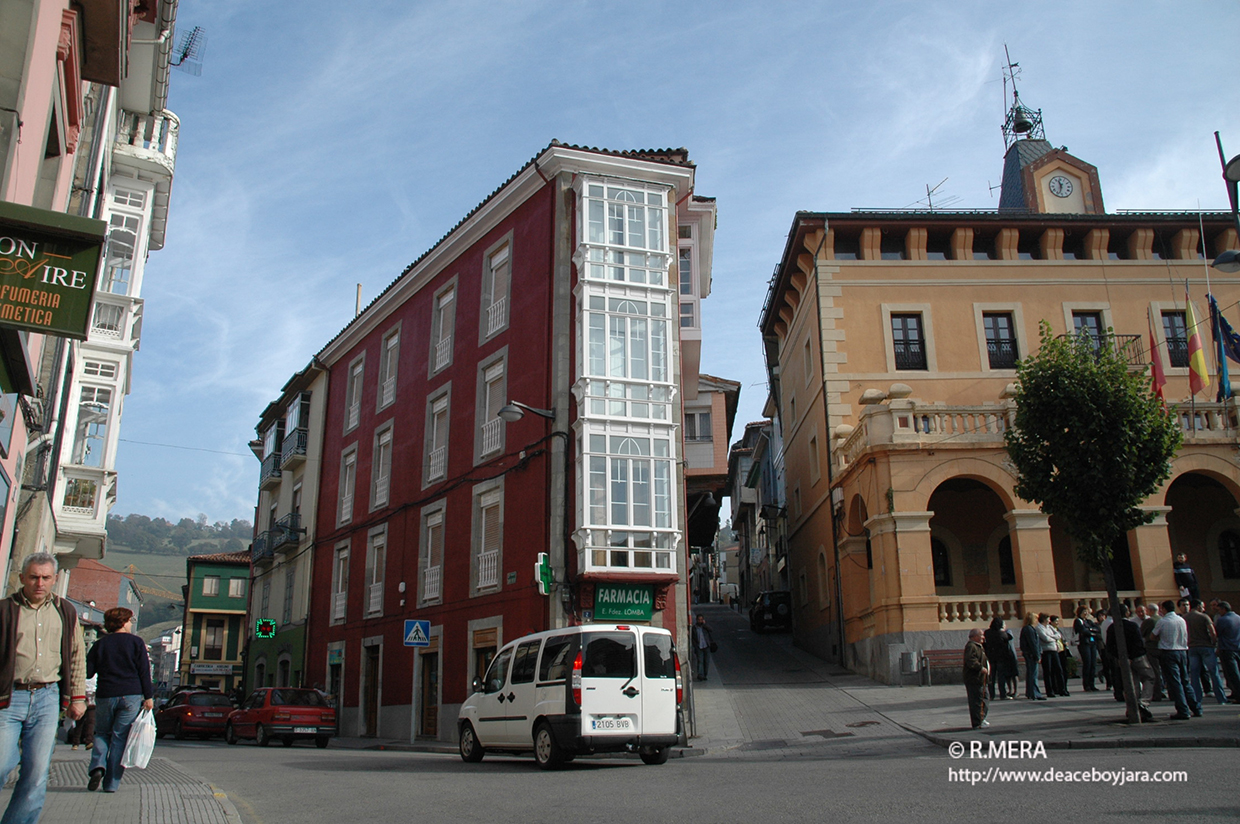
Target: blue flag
(1228,346)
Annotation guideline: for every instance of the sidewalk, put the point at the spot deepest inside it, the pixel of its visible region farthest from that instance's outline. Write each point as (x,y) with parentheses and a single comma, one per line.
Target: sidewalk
(164,792)
(765,695)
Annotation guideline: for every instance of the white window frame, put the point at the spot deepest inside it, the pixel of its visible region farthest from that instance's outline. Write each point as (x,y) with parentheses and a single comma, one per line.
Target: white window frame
(353,390)
(381,467)
(347,487)
(1018,330)
(435,458)
(433,539)
(443,317)
(376,571)
(210,586)
(697,415)
(927,331)
(236,587)
(492,395)
(389,362)
(487,567)
(340,583)
(496,270)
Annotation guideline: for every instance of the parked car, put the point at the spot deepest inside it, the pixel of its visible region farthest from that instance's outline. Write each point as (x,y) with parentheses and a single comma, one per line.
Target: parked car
(285,713)
(771,609)
(577,690)
(202,713)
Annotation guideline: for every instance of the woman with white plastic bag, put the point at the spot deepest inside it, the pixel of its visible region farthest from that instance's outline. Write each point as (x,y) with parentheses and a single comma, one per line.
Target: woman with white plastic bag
(124,688)
(141,741)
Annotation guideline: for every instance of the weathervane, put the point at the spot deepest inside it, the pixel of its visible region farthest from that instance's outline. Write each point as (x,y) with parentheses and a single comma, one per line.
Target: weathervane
(1020,121)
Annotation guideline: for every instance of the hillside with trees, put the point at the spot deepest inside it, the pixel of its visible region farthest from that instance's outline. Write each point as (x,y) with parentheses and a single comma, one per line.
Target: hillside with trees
(188,536)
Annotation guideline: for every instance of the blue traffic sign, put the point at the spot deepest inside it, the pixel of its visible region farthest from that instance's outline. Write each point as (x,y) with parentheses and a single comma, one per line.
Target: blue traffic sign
(417,633)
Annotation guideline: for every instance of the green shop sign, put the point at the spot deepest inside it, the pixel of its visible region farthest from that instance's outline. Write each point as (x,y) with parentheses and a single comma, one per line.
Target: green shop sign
(632,602)
(48,264)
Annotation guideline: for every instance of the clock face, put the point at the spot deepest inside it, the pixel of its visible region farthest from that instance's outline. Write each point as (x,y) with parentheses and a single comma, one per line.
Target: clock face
(1060,186)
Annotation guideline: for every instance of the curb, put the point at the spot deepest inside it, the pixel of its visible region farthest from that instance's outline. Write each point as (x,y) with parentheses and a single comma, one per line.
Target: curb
(230,810)
(1099,744)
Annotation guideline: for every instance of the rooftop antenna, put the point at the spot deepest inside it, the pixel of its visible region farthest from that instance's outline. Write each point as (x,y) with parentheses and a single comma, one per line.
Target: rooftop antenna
(1020,121)
(187,56)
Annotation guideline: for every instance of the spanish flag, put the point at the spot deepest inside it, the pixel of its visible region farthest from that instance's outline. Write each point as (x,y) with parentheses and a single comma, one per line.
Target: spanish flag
(1198,374)
(1156,367)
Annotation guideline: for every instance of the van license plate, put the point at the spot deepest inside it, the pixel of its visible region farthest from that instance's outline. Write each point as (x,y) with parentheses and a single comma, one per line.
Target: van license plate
(301,730)
(610,724)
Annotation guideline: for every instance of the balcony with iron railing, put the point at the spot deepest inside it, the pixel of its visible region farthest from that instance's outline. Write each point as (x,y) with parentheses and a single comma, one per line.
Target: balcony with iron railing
(488,569)
(1130,348)
(148,141)
(287,531)
(269,472)
(261,549)
(339,601)
(436,463)
(1001,354)
(492,431)
(431,583)
(443,352)
(374,598)
(497,315)
(293,448)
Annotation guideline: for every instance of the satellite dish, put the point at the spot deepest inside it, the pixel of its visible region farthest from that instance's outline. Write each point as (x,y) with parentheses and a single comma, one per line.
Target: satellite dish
(187,56)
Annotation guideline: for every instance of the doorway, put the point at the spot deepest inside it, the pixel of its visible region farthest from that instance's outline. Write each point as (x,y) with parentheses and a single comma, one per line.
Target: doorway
(370,677)
(428,700)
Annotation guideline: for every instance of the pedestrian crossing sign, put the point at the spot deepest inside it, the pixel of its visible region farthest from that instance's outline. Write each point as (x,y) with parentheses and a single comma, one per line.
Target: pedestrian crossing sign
(417,633)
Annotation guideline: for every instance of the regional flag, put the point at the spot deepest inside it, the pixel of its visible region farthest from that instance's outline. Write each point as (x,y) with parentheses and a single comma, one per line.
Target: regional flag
(1156,367)
(1220,344)
(1198,374)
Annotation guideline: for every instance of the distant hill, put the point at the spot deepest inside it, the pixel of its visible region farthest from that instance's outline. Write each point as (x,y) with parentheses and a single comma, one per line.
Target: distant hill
(154,550)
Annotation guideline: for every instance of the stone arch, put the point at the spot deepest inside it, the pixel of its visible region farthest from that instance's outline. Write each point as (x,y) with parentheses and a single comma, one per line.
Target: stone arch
(968,515)
(991,474)
(1213,466)
(858,514)
(1203,511)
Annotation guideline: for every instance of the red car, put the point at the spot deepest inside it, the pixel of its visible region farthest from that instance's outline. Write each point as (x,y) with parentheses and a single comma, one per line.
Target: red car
(286,713)
(203,713)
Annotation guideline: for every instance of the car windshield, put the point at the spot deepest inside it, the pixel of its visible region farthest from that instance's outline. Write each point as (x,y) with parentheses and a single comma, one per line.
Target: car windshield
(296,698)
(205,700)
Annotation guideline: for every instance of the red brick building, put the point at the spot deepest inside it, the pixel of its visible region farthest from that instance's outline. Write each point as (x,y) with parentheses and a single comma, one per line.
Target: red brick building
(105,588)
(571,293)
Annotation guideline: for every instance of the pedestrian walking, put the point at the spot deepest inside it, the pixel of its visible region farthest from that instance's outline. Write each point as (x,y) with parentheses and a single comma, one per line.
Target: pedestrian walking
(83,731)
(1031,651)
(124,669)
(1086,631)
(42,671)
(1172,634)
(1202,656)
(703,645)
(976,674)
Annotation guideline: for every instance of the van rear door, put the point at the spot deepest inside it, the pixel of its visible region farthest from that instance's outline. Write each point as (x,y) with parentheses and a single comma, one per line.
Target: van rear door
(658,683)
(610,686)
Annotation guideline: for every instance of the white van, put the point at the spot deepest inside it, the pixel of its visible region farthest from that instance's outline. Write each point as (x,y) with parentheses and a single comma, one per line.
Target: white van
(577,690)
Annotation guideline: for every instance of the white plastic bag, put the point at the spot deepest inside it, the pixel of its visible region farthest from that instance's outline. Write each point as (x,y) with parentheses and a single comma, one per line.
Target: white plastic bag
(141,742)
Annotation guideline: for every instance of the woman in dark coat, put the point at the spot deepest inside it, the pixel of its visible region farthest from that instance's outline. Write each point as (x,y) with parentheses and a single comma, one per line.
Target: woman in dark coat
(120,661)
(1002,660)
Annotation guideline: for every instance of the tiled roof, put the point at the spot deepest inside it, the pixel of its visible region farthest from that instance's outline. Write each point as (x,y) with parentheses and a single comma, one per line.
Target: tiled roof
(673,157)
(242,557)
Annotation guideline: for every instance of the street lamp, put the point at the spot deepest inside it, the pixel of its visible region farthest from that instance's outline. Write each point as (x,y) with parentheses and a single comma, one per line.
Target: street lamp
(1229,261)
(512,412)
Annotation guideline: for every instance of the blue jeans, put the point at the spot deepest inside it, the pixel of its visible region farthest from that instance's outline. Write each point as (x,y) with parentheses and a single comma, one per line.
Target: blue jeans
(1031,678)
(1176,679)
(1229,663)
(1200,658)
(27,735)
(113,718)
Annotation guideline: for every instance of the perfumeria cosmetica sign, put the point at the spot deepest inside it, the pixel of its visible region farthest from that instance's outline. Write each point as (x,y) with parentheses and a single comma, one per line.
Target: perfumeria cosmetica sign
(48,265)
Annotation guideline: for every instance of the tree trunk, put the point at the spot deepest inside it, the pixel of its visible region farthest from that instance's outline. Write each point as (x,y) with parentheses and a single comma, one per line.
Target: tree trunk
(1131,700)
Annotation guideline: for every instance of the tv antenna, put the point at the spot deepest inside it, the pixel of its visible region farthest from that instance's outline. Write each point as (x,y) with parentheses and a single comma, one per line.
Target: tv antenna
(187,56)
(928,201)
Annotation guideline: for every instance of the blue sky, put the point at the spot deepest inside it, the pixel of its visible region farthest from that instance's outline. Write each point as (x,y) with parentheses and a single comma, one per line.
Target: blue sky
(328,144)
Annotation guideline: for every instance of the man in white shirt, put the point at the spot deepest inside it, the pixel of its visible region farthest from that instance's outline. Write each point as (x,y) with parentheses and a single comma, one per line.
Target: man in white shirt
(1172,634)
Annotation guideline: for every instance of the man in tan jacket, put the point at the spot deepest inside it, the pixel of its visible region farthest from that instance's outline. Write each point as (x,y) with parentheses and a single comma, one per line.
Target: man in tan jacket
(976,671)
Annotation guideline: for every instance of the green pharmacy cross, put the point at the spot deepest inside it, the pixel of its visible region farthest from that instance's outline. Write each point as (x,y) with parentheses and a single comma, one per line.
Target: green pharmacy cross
(265,628)
(542,574)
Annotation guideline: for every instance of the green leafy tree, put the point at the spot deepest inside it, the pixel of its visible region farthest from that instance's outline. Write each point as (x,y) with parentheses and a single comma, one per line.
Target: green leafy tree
(1090,443)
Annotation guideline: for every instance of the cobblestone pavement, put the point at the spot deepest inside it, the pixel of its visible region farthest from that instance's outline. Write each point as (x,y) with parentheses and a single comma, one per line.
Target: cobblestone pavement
(163,793)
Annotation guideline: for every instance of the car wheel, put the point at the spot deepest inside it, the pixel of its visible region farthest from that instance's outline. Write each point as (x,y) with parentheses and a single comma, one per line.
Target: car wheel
(321,741)
(230,735)
(471,750)
(547,751)
(178,732)
(262,736)
(287,740)
(655,755)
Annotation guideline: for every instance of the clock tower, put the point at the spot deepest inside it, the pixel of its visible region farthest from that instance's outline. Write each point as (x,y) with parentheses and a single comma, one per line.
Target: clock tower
(1040,178)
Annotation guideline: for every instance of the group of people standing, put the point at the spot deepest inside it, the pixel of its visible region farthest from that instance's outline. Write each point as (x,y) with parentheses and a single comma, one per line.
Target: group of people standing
(44,668)
(1175,649)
